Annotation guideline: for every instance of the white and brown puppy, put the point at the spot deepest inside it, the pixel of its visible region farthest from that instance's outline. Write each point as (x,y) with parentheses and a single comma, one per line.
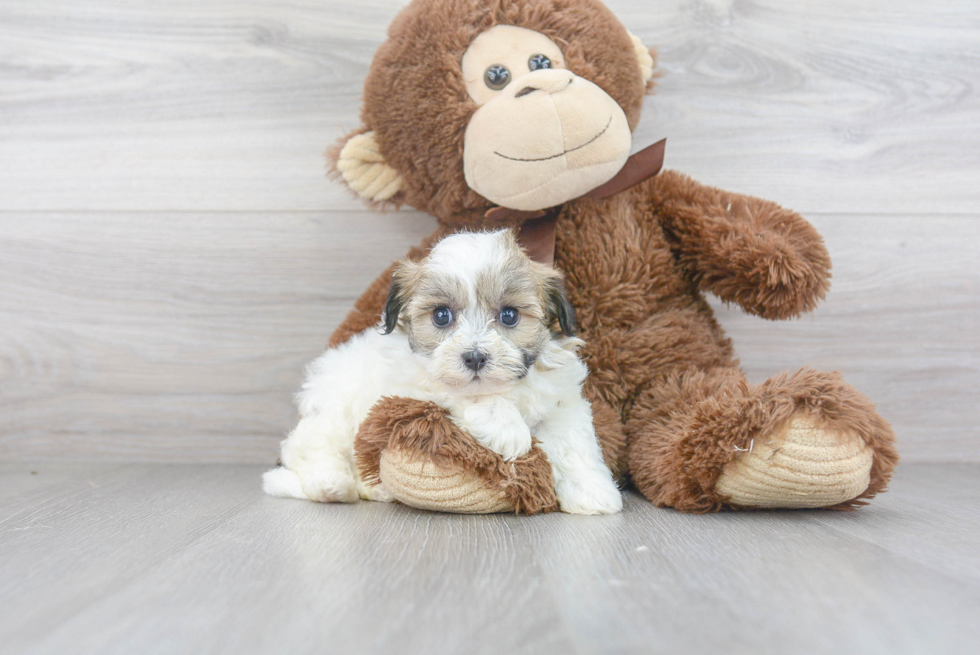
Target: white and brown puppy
(479,329)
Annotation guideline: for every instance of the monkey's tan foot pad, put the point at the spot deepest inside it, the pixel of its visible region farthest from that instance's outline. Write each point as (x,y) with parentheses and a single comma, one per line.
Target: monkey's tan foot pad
(804,465)
(422,484)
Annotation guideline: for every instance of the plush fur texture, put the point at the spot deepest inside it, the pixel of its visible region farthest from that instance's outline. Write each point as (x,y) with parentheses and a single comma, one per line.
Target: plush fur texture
(420,63)
(711,417)
(426,431)
(672,407)
(498,379)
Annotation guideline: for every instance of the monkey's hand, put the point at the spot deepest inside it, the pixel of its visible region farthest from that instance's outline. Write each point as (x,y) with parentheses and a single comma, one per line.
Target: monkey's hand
(752,252)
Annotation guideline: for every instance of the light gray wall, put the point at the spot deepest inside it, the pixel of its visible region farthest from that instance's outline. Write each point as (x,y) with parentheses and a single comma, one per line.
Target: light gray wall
(171,254)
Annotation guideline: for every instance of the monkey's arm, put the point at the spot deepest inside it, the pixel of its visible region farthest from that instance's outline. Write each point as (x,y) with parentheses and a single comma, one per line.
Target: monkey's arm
(767,259)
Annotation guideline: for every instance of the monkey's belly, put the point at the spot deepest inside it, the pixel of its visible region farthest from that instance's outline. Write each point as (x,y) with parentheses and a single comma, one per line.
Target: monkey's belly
(641,317)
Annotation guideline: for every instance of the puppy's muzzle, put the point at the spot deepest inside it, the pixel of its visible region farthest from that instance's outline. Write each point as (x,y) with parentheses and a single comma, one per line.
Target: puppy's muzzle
(475,359)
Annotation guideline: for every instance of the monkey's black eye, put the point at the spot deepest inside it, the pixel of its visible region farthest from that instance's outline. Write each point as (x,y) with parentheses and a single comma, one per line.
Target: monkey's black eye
(509,316)
(497,77)
(538,61)
(442,316)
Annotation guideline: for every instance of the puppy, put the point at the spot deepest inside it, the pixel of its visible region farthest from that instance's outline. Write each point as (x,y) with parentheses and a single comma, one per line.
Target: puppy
(484,332)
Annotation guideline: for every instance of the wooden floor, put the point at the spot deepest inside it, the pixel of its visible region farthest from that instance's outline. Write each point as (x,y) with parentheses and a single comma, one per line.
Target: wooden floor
(103,558)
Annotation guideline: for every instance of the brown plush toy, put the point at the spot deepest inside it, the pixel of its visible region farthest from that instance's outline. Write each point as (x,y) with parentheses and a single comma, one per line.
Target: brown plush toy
(520,113)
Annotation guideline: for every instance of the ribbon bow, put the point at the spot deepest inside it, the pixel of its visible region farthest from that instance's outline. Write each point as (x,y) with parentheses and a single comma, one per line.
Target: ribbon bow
(537,233)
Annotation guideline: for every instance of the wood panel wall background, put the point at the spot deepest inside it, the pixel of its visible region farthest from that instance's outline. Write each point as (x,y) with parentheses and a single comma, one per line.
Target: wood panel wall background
(171,253)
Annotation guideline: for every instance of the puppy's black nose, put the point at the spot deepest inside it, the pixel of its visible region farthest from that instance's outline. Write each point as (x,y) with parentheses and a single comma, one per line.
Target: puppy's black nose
(475,359)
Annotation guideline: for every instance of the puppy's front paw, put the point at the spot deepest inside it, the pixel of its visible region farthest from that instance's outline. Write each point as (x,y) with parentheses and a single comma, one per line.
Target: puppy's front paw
(594,495)
(327,484)
(510,441)
(498,426)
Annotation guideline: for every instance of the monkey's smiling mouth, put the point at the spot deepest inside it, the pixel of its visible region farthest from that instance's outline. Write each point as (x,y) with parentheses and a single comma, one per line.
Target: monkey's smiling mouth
(560,154)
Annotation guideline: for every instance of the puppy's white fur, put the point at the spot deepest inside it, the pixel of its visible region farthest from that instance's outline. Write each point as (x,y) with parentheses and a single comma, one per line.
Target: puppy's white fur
(501,406)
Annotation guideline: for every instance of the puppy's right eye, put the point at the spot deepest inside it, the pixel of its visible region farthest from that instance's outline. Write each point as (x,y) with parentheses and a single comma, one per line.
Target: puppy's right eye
(442,316)
(509,316)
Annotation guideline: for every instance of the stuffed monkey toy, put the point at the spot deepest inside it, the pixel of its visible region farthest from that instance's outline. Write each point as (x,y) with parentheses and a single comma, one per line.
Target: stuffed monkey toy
(519,113)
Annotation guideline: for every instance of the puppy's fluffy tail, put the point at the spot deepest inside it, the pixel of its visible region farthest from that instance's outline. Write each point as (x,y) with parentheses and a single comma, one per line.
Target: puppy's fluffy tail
(283,483)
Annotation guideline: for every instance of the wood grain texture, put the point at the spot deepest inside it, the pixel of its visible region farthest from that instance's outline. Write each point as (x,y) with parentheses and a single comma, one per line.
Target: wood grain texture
(901,322)
(221,105)
(182,337)
(173,336)
(165,559)
(171,254)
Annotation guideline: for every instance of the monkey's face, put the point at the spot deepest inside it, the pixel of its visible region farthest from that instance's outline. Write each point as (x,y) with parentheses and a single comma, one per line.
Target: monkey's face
(525,104)
(541,135)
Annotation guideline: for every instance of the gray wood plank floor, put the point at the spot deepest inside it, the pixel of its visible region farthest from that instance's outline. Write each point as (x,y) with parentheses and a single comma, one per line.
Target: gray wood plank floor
(128,558)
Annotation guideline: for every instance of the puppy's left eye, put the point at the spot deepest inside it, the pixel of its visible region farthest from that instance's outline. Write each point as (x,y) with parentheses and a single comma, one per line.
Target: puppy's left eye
(442,316)
(509,316)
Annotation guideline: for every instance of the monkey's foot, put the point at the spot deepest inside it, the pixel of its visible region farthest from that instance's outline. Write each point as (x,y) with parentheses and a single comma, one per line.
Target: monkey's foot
(803,465)
(422,484)
(425,460)
(803,440)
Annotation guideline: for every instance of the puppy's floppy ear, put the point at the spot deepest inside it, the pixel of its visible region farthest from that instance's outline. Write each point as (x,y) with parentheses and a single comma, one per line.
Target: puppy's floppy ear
(358,160)
(398,294)
(558,307)
(393,307)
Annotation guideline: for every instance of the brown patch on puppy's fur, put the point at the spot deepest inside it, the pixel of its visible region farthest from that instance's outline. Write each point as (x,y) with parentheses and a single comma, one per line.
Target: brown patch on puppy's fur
(368,308)
(508,279)
(415,293)
(534,288)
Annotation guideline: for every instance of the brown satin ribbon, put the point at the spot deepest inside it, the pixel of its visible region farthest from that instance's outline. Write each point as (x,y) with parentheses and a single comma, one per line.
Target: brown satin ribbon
(537,233)
(639,167)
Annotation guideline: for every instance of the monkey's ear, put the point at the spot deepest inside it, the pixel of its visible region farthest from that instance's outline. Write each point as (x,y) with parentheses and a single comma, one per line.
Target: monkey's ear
(365,170)
(646,58)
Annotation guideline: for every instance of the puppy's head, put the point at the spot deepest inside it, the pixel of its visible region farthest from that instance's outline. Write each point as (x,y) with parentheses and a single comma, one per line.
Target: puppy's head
(478,310)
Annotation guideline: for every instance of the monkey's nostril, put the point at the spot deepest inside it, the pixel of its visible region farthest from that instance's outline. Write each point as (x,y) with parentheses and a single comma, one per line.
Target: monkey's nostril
(523,92)
(475,359)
